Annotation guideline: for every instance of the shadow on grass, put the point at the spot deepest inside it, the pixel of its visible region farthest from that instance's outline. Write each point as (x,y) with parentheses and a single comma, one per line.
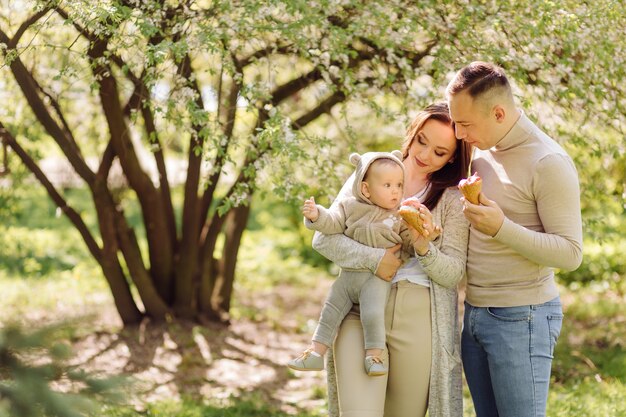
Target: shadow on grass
(186,364)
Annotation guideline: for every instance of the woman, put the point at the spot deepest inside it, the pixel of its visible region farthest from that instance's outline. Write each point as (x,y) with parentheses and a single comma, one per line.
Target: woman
(421,313)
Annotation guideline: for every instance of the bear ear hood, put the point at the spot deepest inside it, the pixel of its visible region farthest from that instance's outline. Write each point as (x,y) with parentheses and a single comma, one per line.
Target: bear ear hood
(355,158)
(362,164)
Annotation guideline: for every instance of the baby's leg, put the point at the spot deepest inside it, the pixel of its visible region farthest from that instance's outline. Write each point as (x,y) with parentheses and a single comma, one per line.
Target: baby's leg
(337,305)
(373,298)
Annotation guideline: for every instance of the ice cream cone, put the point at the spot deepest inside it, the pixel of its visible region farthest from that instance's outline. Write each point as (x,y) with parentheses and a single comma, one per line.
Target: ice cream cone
(411,215)
(471,188)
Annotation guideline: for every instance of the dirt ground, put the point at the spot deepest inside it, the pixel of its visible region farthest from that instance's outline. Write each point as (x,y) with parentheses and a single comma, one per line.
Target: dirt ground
(211,361)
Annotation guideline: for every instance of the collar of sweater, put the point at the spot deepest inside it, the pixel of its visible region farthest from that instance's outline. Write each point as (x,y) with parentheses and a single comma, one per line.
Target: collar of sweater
(518,134)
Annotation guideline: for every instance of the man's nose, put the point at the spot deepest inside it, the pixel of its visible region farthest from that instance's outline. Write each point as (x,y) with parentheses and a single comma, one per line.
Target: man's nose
(460,132)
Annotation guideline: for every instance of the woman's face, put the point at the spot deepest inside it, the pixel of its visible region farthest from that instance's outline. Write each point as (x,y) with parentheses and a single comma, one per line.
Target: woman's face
(432,148)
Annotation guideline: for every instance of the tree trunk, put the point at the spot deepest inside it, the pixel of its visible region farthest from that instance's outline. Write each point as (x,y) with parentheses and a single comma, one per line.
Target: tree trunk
(157,231)
(152,301)
(184,301)
(210,267)
(124,302)
(233,230)
(110,264)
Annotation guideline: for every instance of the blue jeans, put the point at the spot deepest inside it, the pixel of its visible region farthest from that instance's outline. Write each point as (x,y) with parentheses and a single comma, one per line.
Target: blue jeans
(507,356)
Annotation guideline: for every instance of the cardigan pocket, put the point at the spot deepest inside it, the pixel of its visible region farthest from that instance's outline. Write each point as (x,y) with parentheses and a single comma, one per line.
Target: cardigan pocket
(450,360)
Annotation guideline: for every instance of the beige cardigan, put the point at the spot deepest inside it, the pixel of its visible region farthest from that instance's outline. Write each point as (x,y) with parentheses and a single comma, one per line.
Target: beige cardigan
(445,266)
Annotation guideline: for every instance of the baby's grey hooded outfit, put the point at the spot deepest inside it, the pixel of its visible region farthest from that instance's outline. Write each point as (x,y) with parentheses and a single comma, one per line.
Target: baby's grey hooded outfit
(358,218)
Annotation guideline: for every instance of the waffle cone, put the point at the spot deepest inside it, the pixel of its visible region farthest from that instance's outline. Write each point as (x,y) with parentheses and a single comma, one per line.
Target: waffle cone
(471,188)
(412,217)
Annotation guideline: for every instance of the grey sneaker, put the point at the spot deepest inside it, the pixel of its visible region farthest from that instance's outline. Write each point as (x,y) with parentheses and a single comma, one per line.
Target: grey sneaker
(307,362)
(375,366)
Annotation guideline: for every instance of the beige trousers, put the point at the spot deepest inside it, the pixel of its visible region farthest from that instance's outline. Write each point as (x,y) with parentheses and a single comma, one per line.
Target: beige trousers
(404,391)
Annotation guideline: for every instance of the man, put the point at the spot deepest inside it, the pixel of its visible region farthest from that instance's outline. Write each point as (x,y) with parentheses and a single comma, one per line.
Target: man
(528,222)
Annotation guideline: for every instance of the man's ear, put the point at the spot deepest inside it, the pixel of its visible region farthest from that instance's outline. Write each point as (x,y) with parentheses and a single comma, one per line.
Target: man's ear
(499,113)
(365,189)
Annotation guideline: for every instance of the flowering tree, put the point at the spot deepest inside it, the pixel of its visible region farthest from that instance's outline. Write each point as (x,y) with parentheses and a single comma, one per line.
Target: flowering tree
(237,86)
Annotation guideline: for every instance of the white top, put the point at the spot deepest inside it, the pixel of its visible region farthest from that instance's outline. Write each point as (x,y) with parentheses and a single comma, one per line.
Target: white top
(412,270)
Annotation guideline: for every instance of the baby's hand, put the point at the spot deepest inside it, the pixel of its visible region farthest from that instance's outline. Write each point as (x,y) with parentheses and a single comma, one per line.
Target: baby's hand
(309,210)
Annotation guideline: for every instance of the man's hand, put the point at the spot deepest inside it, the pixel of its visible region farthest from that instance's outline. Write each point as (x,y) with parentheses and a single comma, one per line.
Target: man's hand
(390,263)
(309,210)
(486,217)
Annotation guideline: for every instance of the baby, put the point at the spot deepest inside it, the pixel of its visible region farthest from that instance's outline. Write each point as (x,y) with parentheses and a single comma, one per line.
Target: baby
(369,217)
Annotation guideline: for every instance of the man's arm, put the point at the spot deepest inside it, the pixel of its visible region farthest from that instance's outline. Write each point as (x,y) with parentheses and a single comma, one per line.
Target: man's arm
(557,195)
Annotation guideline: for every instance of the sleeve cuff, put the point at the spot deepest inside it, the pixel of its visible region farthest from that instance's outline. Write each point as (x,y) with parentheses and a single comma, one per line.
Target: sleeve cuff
(507,231)
(430,255)
(374,265)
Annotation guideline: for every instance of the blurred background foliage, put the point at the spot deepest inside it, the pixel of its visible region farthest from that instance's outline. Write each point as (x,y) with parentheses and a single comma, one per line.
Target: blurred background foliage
(567,61)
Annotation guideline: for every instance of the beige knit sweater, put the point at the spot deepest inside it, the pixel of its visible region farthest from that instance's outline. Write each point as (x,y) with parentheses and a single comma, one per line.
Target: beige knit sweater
(535,183)
(445,266)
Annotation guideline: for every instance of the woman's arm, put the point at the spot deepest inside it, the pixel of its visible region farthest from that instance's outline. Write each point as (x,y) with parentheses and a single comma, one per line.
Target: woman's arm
(347,253)
(445,265)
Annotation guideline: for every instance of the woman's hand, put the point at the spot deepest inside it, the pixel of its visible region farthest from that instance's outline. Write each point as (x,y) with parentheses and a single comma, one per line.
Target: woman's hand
(390,264)
(431,230)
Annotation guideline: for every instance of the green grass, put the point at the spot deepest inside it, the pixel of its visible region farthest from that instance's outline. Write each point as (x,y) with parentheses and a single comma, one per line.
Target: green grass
(44,263)
(589,398)
(43,270)
(589,368)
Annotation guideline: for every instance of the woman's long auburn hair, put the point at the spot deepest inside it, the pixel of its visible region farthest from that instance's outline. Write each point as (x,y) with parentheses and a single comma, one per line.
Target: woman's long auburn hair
(451,173)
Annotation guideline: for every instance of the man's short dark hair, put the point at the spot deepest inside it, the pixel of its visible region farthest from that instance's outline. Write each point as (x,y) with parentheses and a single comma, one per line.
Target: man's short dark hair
(478,78)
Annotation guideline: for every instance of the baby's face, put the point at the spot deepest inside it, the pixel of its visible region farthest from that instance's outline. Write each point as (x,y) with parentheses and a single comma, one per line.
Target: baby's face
(385,184)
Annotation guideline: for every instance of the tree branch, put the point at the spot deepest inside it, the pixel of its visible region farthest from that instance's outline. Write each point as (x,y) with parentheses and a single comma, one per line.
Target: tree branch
(291,87)
(30,88)
(25,26)
(218,163)
(116,59)
(322,108)
(59,113)
(267,51)
(71,214)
